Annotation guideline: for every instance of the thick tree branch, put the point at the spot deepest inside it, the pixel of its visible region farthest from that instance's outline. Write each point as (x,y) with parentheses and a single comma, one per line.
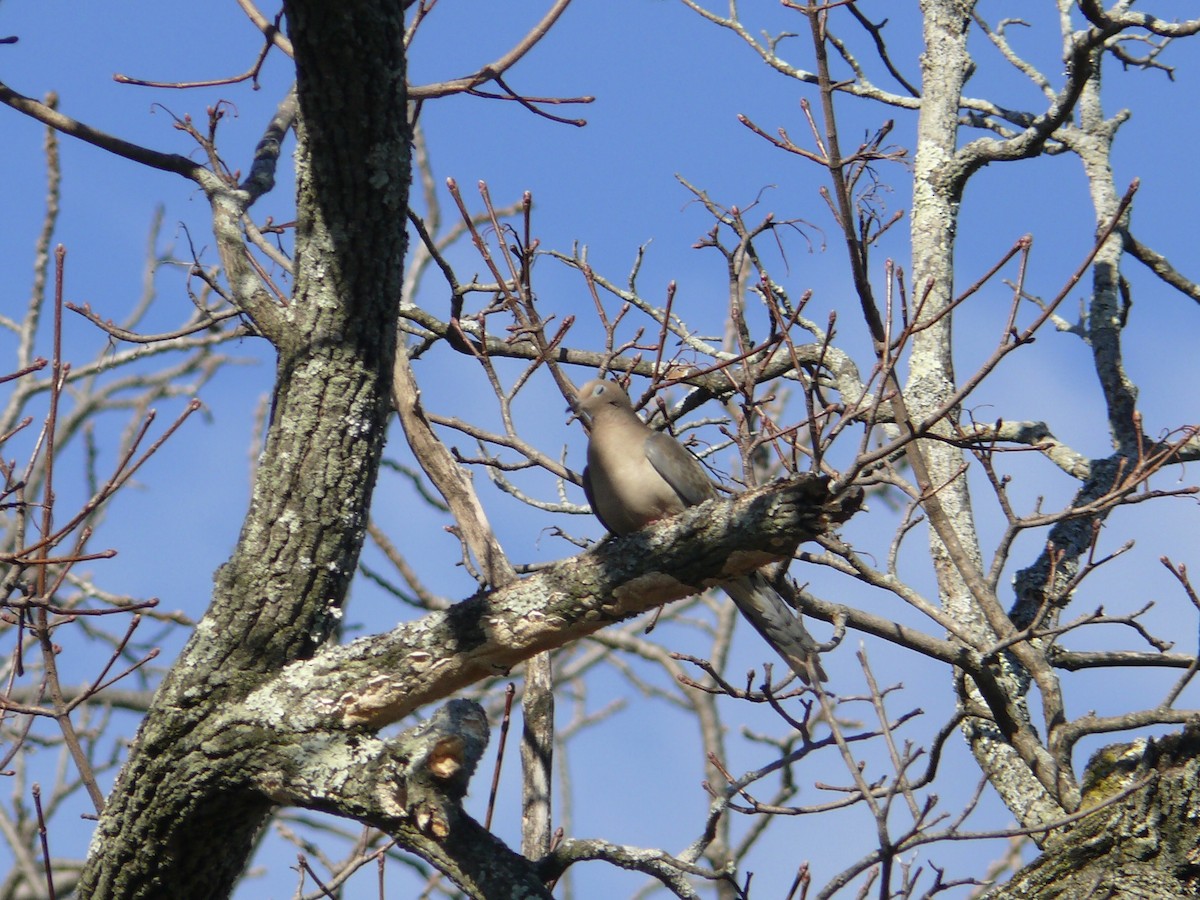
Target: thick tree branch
(166,162)
(380,679)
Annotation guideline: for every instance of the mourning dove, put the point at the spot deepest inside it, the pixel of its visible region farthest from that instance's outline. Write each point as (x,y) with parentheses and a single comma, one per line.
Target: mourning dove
(636,475)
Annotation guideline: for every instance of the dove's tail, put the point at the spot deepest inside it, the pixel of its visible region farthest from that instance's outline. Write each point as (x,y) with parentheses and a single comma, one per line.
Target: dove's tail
(780,626)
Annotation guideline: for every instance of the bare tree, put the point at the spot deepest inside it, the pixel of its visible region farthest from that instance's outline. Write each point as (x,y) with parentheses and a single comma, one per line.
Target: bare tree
(267,715)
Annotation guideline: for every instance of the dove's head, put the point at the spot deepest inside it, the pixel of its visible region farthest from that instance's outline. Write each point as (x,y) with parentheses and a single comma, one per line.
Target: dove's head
(599,394)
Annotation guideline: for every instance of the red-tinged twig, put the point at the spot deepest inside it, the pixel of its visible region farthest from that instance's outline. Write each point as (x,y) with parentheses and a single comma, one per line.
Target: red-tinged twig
(515,271)
(43,837)
(721,366)
(36,366)
(476,238)
(99,683)
(133,337)
(784,142)
(61,712)
(15,738)
(493,70)
(800,883)
(23,424)
(123,473)
(41,624)
(900,762)
(250,74)
(58,374)
(528,102)
(1181,575)
(306,869)
(501,744)
(662,332)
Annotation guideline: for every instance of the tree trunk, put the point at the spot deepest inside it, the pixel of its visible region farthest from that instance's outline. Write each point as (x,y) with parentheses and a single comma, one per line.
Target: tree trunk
(1140,843)
(182,818)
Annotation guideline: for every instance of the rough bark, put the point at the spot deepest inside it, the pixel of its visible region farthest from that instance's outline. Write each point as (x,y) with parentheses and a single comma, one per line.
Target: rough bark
(940,174)
(182,817)
(1141,840)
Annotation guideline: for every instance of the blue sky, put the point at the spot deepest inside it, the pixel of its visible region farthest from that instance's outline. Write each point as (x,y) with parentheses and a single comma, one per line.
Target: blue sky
(668,89)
